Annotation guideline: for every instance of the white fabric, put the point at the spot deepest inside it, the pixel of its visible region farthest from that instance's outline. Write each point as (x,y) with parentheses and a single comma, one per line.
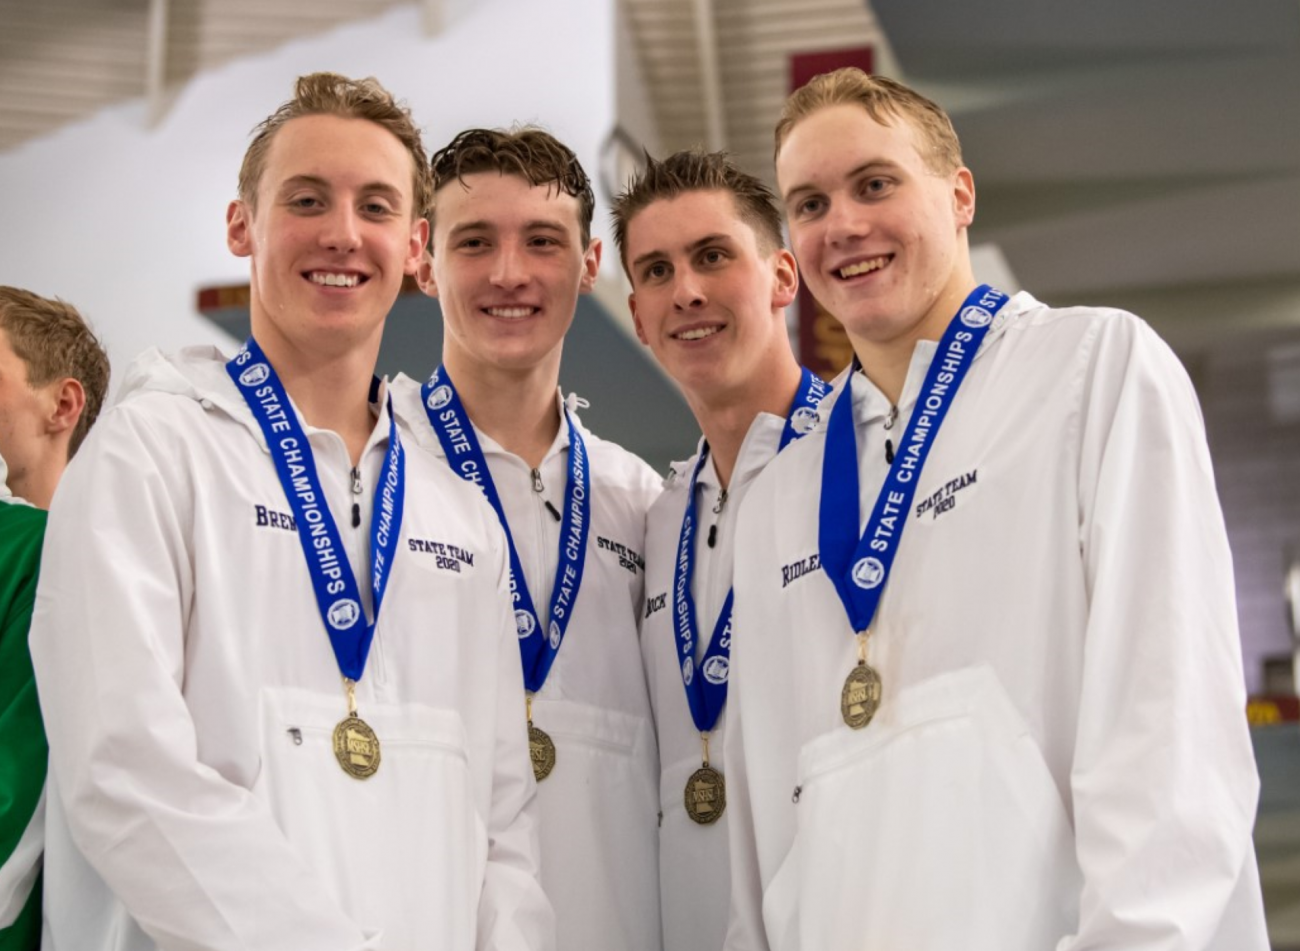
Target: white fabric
(1061,759)
(694,877)
(190,694)
(597,809)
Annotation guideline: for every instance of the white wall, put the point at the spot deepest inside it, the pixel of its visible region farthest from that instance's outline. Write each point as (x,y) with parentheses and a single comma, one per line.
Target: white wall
(127,222)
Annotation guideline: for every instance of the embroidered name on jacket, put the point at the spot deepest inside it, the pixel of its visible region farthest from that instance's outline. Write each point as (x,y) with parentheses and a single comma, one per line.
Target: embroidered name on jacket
(656,603)
(269,518)
(447,557)
(797,569)
(627,558)
(945,497)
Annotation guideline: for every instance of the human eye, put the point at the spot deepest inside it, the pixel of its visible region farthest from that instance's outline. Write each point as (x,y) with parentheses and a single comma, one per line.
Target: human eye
(377,208)
(305,202)
(809,206)
(875,186)
(543,241)
(655,271)
(712,256)
(471,243)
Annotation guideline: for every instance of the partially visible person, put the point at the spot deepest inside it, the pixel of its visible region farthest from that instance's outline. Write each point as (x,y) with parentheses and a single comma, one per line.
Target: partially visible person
(53,377)
(272,636)
(511,253)
(988,685)
(700,240)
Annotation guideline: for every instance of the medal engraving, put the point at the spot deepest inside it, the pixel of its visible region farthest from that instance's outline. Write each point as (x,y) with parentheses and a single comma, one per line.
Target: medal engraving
(541,750)
(706,795)
(860,698)
(356,747)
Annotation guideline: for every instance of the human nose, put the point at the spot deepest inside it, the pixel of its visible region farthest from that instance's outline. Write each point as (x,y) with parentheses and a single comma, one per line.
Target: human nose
(342,231)
(687,290)
(508,268)
(845,223)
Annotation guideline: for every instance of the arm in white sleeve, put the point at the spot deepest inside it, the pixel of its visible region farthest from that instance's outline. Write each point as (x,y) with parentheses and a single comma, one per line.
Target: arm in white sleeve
(514,913)
(1163,779)
(196,860)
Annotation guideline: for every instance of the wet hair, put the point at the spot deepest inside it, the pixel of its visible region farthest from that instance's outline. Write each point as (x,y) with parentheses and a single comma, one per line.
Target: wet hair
(694,170)
(329,94)
(885,100)
(527,151)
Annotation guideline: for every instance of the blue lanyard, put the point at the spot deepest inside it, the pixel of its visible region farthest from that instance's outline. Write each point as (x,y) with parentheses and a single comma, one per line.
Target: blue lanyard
(859,567)
(707,694)
(452,425)
(337,595)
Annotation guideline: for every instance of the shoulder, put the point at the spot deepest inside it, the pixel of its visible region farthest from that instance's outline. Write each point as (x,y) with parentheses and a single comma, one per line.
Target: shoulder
(21,527)
(615,469)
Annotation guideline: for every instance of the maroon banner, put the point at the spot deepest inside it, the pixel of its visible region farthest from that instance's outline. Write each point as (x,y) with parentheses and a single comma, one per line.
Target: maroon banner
(823,346)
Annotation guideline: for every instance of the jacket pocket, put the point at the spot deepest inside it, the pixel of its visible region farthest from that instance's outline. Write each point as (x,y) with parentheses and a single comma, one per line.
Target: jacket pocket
(402,851)
(940,827)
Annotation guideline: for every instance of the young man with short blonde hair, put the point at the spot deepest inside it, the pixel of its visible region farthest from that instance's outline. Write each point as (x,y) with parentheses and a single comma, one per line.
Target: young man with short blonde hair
(988,678)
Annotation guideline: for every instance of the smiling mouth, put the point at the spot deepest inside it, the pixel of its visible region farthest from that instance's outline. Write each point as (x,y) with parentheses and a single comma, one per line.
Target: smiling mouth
(511,313)
(334,279)
(697,333)
(864,267)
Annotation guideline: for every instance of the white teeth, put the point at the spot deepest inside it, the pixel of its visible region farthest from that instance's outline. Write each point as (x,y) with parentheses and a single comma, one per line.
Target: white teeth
(853,270)
(333,280)
(699,333)
(510,311)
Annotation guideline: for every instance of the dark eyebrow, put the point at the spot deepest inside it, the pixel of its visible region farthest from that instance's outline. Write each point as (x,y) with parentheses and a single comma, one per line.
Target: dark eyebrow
(869,166)
(693,246)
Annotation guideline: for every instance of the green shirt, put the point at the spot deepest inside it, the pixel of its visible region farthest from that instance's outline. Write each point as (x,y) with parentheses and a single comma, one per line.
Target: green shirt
(24,753)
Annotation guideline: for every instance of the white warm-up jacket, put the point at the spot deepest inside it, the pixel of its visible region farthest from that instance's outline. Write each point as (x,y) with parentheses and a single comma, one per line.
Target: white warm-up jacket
(1061,757)
(597,809)
(694,874)
(190,694)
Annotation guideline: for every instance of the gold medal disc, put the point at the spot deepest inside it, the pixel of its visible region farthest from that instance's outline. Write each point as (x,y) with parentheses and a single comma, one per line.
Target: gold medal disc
(706,795)
(541,749)
(860,698)
(356,747)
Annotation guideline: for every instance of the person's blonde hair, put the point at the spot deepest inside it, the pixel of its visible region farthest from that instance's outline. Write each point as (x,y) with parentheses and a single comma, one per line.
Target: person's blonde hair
(54,342)
(885,100)
(329,94)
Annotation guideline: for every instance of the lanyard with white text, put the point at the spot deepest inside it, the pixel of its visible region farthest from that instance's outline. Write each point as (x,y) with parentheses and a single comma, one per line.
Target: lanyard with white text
(452,425)
(338,596)
(859,567)
(707,694)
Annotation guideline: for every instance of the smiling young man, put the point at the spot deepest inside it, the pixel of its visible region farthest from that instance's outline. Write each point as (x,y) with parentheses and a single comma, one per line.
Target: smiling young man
(1007,710)
(711,278)
(511,251)
(246,751)
(53,377)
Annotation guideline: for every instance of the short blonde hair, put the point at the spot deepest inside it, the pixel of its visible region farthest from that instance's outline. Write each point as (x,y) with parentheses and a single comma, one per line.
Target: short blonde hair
(884,100)
(54,342)
(329,94)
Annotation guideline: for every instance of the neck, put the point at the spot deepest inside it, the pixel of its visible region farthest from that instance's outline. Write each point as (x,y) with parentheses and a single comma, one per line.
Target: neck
(886,362)
(517,408)
(36,484)
(330,388)
(725,422)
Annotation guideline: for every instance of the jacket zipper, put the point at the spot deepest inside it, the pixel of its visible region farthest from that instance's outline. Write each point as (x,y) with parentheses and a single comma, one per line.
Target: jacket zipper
(539,489)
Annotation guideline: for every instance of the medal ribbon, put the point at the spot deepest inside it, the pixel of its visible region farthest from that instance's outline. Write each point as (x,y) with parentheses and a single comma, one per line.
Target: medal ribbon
(859,567)
(451,424)
(337,594)
(707,694)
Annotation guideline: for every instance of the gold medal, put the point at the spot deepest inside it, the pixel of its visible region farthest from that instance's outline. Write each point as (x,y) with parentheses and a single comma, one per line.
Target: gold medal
(706,791)
(706,795)
(541,748)
(356,746)
(860,698)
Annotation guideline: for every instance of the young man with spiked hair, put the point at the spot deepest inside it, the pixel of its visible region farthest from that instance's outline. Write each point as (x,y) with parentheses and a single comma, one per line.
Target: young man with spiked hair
(701,241)
(511,253)
(275,721)
(988,687)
